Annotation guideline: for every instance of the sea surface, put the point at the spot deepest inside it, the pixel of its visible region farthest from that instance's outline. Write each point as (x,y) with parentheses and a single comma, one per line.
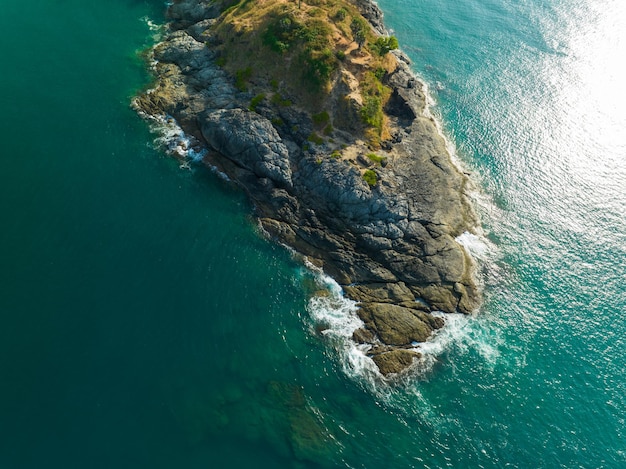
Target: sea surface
(145,323)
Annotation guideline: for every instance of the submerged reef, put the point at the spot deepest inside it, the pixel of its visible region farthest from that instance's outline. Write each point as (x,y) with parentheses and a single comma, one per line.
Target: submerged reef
(309,107)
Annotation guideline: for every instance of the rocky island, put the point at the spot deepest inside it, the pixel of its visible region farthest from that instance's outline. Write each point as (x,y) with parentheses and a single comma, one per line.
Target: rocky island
(311,109)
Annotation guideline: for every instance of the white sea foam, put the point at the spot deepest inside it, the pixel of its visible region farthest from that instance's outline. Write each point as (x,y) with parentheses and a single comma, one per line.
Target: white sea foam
(335,317)
(157,31)
(155,27)
(460,331)
(477,247)
(334,310)
(173,140)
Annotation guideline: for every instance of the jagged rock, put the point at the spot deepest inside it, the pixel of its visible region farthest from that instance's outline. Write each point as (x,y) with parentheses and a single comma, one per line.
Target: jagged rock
(363,336)
(440,297)
(395,361)
(380,293)
(373,14)
(188,12)
(183,50)
(349,102)
(397,325)
(250,141)
(469,297)
(399,106)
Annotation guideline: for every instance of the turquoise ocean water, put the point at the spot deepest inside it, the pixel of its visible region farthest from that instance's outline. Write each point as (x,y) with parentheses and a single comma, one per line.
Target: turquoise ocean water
(145,324)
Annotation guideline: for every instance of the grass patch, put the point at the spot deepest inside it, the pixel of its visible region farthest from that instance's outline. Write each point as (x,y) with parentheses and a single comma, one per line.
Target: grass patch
(341,14)
(370,177)
(314,138)
(278,100)
(372,112)
(311,38)
(372,136)
(321,118)
(256,101)
(380,73)
(241,78)
(375,95)
(319,66)
(376,158)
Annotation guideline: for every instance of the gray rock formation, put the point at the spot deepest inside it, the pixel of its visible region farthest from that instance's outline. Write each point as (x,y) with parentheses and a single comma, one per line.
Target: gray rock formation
(250,141)
(391,246)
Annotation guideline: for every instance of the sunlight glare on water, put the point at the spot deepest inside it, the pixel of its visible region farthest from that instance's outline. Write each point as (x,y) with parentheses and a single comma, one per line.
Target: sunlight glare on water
(591,92)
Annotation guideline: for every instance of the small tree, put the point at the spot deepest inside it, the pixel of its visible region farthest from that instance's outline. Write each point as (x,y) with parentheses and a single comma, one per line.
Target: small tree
(385,44)
(358,26)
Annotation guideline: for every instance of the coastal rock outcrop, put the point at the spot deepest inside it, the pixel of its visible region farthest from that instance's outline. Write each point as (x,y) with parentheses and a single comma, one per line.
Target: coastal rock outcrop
(395,361)
(382,224)
(248,140)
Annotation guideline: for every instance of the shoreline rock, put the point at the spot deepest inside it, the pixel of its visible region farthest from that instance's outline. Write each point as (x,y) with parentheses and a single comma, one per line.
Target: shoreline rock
(390,245)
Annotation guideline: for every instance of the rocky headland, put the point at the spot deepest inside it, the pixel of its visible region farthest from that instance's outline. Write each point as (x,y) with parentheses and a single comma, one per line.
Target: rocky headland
(308,107)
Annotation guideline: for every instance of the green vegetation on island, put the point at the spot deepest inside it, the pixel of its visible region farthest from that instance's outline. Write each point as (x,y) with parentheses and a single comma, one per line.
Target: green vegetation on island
(305,52)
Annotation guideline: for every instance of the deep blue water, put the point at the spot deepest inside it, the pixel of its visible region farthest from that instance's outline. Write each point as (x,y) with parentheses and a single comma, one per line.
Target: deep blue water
(145,323)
